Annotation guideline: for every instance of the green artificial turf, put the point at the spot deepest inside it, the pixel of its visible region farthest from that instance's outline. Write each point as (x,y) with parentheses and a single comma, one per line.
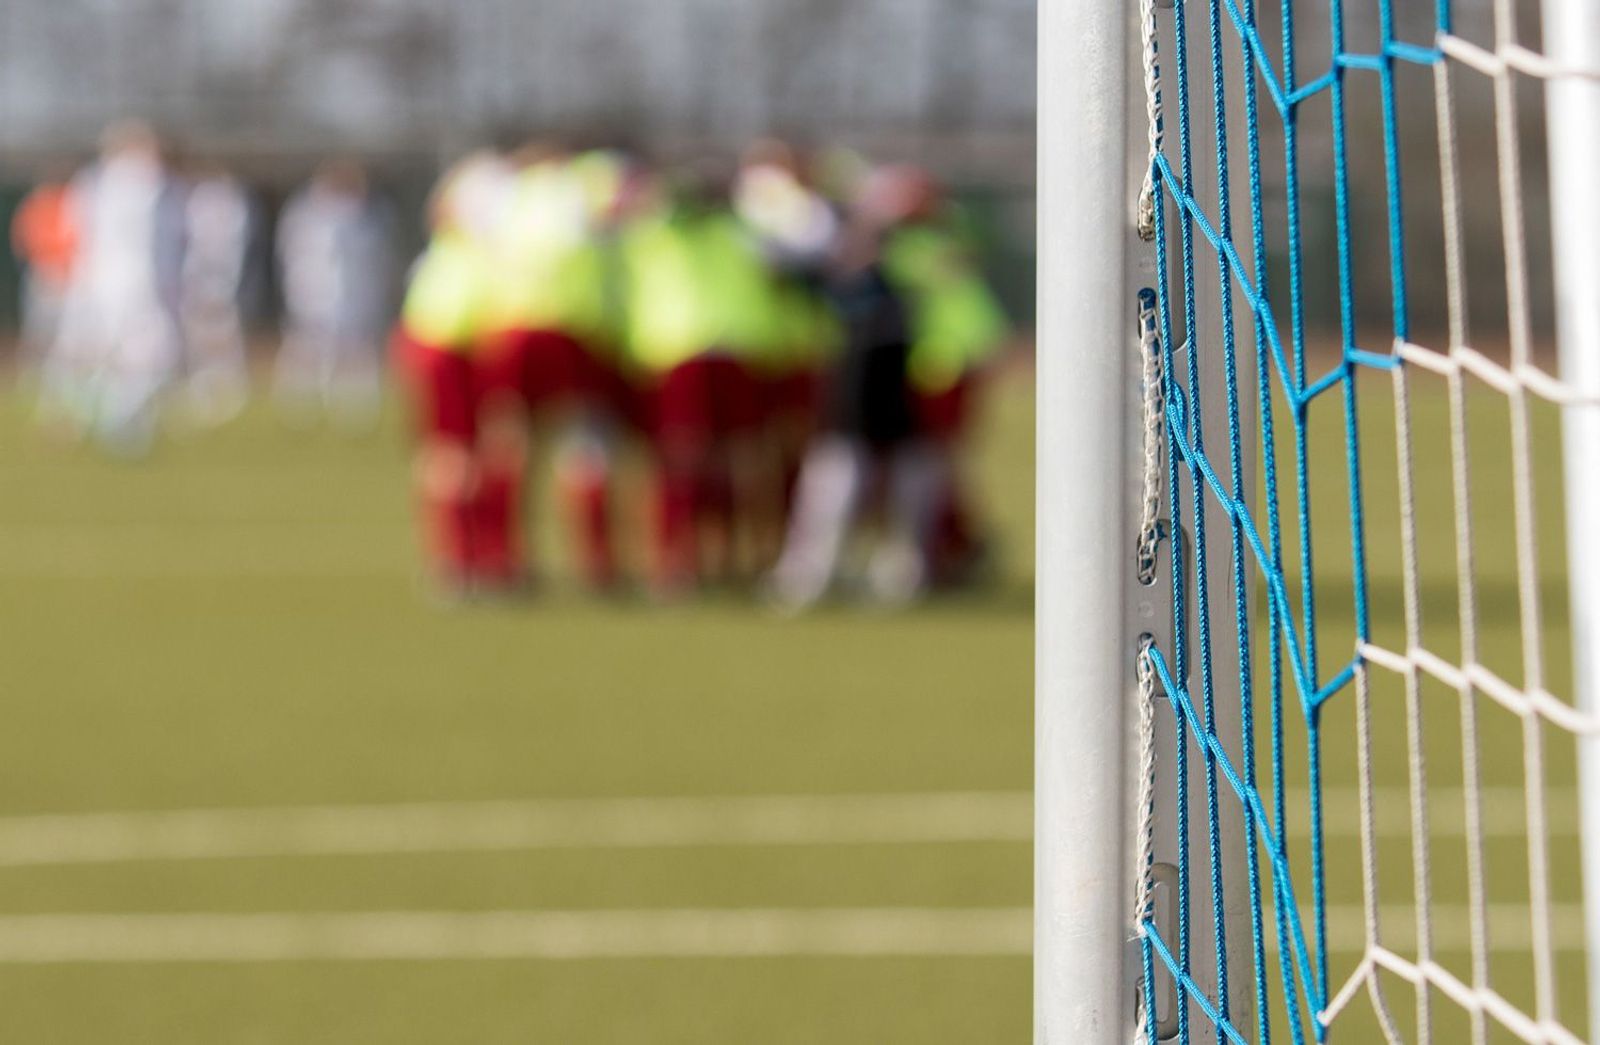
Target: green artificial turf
(237,622)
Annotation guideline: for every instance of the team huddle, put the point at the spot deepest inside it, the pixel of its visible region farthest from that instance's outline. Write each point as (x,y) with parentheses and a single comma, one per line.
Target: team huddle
(797,343)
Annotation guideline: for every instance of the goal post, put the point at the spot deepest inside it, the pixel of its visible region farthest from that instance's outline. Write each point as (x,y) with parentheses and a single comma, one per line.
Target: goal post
(1095,610)
(1572,35)
(1082,890)
(1175,586)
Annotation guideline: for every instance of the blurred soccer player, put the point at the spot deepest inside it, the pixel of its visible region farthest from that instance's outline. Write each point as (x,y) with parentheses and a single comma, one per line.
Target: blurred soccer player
(956,326)
(549,366)
(219,224)
(44,238)
(335,254)
(700,316)
(447,312)
(796,229)
(868,439)
(119,345)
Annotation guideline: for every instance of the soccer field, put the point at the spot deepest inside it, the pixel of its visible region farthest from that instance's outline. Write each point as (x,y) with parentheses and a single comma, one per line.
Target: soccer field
(587,822)
(236,624)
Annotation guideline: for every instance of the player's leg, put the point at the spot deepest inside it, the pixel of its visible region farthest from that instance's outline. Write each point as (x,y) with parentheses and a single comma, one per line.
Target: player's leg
(959,545)
(443,389)
(917,489)
(217,384)
(789,422)
(583,462)
(539,380)
(355,393)
(66,375)
(795,396)
(142,362)
(750,498)
(833,481)
(504,370)
(681,433)
(295,370)
(43,305)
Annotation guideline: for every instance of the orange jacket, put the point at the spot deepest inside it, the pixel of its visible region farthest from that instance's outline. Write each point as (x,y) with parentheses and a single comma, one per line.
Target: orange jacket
(44,234)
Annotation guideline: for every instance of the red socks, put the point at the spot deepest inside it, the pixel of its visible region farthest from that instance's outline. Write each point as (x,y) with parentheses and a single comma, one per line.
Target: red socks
(675,527)
(450,525)
(497,545)
(586,499)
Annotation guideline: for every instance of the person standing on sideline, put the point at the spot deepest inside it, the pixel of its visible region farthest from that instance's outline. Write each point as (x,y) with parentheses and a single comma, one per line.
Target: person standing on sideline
(119,344)
(220,226)
(336,260)
(44,238)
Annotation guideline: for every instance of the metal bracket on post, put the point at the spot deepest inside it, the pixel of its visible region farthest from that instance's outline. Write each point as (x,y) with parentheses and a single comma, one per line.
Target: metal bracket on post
(1151,607)
(1151,602)
(1165,879)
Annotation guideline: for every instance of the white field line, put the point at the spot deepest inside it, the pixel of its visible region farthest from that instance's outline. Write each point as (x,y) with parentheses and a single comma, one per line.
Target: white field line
(1505,811)
(668,933)
(1510,928)
(554,935)
(1005,816)
(630,823)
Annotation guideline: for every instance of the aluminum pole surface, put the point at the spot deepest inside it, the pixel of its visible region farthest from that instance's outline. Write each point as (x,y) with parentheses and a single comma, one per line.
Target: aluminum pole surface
(1083,663)
(1572,101)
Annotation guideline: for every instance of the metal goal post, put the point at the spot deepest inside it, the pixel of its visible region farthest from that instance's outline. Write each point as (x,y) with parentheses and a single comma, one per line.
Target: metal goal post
(1092,611)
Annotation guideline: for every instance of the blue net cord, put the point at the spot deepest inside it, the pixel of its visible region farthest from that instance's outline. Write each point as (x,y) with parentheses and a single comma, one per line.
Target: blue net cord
(1199,482)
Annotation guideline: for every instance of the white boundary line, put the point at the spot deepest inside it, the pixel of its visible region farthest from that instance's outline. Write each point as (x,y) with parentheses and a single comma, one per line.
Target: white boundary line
(636,823)
(1510,928)
(1005,816)
(993,932)
(550,935)
(1504,812)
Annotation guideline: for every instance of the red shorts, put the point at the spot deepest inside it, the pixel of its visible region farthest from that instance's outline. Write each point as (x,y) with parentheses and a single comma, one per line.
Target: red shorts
(706,398)
(444,387)
(548,368)
(945,415)
(792,394)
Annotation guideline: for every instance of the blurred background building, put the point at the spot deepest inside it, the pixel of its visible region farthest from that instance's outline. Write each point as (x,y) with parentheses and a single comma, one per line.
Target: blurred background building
(408,77)
(272,85)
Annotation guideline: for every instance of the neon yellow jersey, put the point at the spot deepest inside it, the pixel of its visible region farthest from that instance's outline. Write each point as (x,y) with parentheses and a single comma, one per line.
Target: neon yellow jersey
(956,321)
(694,284)
(550,270)
(449,300)
(664,325)
(742,291)
(602,174)
(809,329)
